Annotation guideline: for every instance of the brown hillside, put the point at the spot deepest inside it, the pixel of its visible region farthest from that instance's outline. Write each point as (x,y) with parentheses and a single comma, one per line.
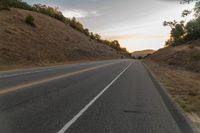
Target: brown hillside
(142,53)
(184,56)
(51,41)
(178,70)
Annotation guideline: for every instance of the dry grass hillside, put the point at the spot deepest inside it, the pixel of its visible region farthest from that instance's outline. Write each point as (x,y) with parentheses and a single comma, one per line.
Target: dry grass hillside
(142,53)
(185,56)
(178,70)
(49,42)
(182,85)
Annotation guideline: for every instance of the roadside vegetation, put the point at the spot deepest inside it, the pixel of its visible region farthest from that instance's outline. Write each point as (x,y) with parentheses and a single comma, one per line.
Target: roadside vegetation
(55,13)
(30,20)
(177,66)
(182,32)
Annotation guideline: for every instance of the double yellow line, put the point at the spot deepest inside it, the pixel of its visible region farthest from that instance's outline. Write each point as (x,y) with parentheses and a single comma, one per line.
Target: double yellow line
(34,83)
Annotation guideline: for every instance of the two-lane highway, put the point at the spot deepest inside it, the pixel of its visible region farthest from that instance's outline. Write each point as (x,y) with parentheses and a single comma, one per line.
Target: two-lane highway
(116,96)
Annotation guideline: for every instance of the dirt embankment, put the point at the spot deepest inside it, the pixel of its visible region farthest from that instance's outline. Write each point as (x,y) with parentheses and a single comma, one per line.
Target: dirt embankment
(49,42)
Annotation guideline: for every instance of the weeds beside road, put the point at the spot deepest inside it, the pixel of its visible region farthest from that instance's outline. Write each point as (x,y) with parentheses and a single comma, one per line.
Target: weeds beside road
(184,87)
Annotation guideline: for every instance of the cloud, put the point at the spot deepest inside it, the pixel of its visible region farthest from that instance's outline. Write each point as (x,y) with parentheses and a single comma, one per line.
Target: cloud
(135,37)
(170,1)
(78,13)
(93,0)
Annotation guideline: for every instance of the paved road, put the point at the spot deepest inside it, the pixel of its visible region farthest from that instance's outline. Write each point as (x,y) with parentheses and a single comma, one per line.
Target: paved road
(116,96)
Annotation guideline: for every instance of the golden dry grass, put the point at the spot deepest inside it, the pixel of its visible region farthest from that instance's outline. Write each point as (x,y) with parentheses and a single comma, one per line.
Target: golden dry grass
(183,87)
(49,42)
(183,56)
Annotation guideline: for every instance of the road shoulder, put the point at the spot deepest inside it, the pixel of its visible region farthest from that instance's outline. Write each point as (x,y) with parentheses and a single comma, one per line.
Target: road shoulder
(181,115)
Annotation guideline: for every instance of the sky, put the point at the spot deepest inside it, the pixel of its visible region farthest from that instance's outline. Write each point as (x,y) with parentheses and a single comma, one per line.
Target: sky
(136,24)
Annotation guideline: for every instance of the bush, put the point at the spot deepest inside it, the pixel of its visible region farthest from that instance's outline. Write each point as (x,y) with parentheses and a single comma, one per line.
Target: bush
(147,55)
(16,4)
(50,11)
(4,8)
(192,92)
(196,57)
(191,46)
(30,20)
(140,57)
(77,25)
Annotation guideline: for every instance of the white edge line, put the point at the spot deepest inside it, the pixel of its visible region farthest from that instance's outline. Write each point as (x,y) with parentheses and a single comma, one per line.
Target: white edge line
(75,118)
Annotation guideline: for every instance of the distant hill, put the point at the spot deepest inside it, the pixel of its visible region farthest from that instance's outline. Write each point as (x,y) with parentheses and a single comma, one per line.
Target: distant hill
(142,53)
(49,41)
(186,56)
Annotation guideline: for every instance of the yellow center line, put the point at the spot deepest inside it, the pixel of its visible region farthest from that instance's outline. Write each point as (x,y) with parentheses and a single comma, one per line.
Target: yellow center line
(34,83)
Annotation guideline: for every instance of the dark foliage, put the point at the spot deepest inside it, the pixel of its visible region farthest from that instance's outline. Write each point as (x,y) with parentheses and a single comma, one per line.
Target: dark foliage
(182,32)
(30,20)
(16,4)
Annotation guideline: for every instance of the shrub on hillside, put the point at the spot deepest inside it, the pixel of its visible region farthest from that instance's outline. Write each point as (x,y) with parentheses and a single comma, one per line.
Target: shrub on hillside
(15,3)
(191,46)
(30,20)
(196,57)
(50,11)
(140,57)
(77,25)
(147,55)
(4,8)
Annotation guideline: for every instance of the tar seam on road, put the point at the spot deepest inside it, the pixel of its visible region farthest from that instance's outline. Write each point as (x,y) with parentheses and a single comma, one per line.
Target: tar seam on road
(75,118)
(34,83)
(183,123)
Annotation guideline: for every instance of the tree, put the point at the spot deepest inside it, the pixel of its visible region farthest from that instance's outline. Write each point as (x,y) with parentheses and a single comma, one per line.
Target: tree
(92,36)
(186,1)
(177,32)
(182,32)
(197,9)
(77,25)
(186,13)
(50,11)
(97,37)
(86,31)
(193,29)
(171,24)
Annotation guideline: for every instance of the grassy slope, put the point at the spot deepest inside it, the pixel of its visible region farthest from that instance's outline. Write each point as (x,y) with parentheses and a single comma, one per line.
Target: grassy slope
(143,52)
(51,41)
(177,68)
(184,87)
(185,56)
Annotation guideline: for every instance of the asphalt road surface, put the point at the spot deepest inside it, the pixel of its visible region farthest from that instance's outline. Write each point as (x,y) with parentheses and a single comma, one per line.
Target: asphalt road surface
(115,96)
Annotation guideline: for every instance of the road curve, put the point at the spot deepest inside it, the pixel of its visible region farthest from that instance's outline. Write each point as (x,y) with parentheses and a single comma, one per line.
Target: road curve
(115,96)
